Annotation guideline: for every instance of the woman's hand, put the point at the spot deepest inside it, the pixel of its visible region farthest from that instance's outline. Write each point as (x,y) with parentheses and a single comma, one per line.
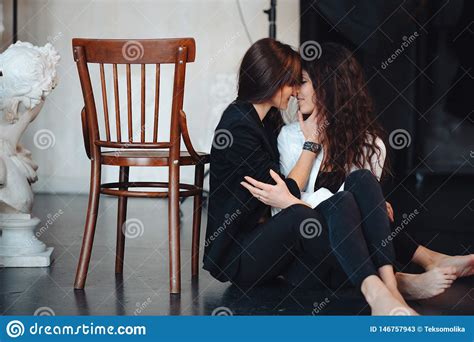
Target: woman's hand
(309,127)
(390,211)
(277,196)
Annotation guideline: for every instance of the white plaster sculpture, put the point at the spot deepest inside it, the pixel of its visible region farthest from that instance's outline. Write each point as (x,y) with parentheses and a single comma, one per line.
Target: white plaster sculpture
(27,76)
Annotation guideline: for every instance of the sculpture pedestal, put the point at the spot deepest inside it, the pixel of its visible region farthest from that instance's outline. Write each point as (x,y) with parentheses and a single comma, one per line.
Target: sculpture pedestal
(19,247)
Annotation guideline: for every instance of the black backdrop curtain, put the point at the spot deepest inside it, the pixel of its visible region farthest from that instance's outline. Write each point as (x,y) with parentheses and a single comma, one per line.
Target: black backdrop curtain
(410,92)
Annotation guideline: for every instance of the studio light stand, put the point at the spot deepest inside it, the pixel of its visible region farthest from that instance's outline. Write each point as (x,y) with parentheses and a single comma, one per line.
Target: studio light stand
(271,12)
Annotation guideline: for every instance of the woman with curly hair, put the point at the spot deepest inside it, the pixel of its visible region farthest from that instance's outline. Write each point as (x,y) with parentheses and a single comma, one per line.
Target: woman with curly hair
(335,87)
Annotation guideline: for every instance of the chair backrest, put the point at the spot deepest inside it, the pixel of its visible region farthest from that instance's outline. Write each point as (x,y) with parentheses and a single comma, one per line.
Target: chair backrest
(144,52)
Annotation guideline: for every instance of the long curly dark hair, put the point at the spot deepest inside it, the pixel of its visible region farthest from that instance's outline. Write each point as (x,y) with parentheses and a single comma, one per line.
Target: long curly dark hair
(345,106)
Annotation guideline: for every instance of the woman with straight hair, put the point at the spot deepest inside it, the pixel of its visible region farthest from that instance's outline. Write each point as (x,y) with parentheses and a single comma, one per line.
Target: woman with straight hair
(245,181)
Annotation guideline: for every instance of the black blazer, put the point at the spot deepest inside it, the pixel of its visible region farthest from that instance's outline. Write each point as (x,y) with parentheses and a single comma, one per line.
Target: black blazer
(242,146)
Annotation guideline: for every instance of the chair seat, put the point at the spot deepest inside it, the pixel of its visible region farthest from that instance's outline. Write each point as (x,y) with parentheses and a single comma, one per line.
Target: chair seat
(149,158)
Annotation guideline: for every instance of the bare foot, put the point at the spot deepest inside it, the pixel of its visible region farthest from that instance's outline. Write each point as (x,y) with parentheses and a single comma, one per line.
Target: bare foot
(382,302)
(426,285)
(463,264)
(393,288)
(387,275)
(388,305)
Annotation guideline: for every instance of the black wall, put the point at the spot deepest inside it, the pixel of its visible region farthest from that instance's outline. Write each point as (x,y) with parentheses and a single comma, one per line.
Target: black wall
(427,89)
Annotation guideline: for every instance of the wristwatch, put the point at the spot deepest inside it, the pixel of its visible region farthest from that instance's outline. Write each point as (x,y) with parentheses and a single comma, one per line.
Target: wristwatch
(312,146)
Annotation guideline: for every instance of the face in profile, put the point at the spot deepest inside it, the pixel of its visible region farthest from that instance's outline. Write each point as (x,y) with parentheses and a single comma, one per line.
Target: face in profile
(306,95)
(282,97)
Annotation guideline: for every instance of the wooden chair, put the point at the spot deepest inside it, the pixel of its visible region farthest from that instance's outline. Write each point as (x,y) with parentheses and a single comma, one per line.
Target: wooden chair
(129,150)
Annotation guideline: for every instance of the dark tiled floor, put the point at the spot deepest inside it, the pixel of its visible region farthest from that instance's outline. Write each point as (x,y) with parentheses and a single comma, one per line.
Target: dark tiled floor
(446,224)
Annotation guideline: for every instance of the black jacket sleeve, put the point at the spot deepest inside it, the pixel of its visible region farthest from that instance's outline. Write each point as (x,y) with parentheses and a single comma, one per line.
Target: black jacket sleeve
(250,158)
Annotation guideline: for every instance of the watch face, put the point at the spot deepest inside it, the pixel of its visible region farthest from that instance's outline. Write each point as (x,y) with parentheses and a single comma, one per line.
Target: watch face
(311,146)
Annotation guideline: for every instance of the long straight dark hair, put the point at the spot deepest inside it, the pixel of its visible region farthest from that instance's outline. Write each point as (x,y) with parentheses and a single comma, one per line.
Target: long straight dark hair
(266,67)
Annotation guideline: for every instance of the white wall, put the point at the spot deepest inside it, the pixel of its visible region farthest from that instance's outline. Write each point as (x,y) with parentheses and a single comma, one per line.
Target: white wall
(221,42)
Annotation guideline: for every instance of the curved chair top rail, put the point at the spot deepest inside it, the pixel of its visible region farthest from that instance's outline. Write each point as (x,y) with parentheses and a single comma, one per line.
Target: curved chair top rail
(133,51)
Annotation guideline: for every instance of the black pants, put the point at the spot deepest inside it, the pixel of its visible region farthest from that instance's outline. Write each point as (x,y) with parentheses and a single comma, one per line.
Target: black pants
(340,239)
(405,247)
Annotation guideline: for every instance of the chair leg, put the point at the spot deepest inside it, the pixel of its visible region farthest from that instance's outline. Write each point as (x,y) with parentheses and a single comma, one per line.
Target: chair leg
(89,229)
(121,217)
(197,210)
(173,230)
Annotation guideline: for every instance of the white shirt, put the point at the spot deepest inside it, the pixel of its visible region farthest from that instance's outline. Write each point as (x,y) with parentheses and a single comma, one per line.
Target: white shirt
(290,144)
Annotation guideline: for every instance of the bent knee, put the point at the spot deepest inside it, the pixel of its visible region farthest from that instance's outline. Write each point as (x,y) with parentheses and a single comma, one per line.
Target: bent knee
(343,197)
(361,174)
(300,214)
(362,177)
(340,201)
(298,211)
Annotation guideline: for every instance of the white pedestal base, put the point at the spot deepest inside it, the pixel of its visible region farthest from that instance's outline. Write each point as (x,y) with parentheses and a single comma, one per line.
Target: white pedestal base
(35,260)
(19,246)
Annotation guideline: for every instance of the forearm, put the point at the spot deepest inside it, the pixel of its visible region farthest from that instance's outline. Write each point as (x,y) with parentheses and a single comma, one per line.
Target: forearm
(300,172)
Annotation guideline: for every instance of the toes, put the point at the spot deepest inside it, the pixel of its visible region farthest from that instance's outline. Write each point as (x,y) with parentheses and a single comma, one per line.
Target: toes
(442,270)
(449,270)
